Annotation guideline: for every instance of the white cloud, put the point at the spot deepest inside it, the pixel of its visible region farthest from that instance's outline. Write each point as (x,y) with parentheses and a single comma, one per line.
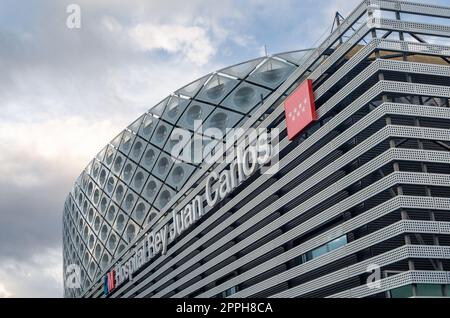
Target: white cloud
(192,42)
(62,143)
(41,275)
(3,292)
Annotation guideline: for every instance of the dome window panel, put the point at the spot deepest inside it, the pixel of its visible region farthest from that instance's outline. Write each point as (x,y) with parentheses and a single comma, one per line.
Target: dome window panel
(104,232)
(128,171)
(117,140)
(162,166)
(120,223)
(149,157)
(193,88)
(196,111)
(174,109)
(104,203)
(105,260)
(109,157)
(112,242)
(139,179)
(118,164)
(147,127)
(217,88)
(111,213)
(179,175)
(219,121)
(119,193)
(161,134)
(295,57)
(152,215)
(129,201)
(101,155)
(164,197)
(126,142)
(134,127)
(271,73)
(131,231)
(138,149)
(103,176)
(110,184)
(140,211)
(158,109)
(243,69)
(122,246)
(245,97)
(176,141)
(151,189)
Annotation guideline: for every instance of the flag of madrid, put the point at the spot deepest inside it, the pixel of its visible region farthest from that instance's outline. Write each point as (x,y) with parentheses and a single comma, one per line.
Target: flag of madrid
(300,109)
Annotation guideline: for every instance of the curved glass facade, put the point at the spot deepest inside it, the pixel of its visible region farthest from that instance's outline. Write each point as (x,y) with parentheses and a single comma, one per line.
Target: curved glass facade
(126,185)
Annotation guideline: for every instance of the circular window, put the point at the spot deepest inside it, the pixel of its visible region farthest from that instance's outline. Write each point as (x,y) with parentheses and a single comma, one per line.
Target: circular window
(178,174)
(80,199)
(137,149)
(129,201)
(163,165)
(103,205)
(92,268)
(139,180)
(120,223)
(219,121)
(127,172)
(91,241)
(272,76)
(147,126)
(194,113)
(149,157)
(104,232)
(98,251)
(90,188)
(140,211)
(110,184)
(86,232)
(119,193)
(131,232)
(97,223)
(91,215)
(150,189)
(118,163)
(86,258)
(244,97)
(121,248)
(112,241)
(102,176)
(111,213)
(161,134)
(105,261)
(151,217)
(96,196)
(85,207)
(164,198)
(216,91)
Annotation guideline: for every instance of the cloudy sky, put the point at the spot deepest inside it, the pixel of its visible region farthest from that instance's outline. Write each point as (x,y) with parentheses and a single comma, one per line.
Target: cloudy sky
(64,93)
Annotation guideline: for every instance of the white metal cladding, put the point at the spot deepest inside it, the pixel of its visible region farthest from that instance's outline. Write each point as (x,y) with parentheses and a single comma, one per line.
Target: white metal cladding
(268,210)
(342,116)
(398,254)
(369,216)
(97,201)
(396,281)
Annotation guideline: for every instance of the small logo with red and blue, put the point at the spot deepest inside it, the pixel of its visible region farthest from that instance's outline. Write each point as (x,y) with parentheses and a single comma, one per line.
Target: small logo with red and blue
(109,283)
